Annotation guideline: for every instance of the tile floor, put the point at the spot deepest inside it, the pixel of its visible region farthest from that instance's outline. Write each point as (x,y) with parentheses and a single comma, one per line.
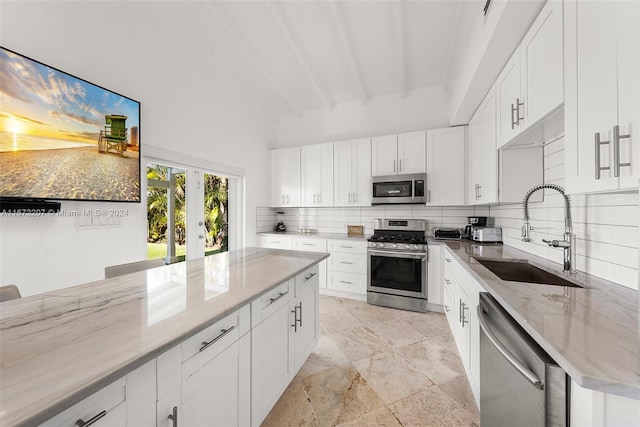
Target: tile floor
(376,366)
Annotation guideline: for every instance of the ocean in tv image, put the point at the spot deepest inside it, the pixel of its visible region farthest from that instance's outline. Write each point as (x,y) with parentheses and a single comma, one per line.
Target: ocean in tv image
(64,138)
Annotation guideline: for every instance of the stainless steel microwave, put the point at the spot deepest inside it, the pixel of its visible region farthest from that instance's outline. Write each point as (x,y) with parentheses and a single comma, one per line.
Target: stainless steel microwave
(392,189)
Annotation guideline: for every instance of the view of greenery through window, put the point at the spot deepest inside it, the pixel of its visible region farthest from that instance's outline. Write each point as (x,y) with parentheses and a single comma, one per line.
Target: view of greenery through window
(216,193)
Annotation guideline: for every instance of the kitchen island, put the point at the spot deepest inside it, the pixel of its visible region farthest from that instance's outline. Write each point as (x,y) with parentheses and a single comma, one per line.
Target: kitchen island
(60,347)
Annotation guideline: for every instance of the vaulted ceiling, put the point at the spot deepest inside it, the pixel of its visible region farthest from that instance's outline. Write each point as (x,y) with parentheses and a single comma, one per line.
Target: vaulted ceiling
(293,56)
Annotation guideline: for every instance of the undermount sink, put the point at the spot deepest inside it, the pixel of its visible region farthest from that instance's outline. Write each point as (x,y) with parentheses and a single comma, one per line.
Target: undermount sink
(523,271)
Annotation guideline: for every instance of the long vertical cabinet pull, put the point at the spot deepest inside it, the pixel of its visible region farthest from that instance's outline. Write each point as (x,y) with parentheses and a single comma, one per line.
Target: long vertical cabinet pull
(598,143)
(174,416)
(300,320)
(616,150)
(394,166)
(295,318)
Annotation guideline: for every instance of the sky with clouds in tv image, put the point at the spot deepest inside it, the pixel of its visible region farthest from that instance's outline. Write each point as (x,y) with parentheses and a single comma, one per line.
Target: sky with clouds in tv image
(64,138)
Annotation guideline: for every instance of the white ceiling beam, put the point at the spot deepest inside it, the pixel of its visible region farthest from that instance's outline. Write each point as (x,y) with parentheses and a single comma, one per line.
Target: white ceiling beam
(398,30)
(259,65)
(348,48)
(288,33)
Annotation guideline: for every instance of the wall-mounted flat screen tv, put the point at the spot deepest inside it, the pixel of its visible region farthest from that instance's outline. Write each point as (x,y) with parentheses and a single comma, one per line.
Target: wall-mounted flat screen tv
(63,138)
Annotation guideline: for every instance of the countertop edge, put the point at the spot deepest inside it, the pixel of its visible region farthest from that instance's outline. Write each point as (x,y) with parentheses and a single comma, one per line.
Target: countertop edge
(598,384)
(119,372)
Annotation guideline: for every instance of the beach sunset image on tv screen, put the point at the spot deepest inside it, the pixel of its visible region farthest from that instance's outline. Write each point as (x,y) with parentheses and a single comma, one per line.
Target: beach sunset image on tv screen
(64,138)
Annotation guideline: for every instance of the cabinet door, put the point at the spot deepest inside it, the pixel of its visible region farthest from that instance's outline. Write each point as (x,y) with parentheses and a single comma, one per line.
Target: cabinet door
(384,155)
(343,173)
(445,166)
(474,159)
(165,408)
(311,174)
(412,152)
(305,312)
(541,64)
(508,93)
(361,179)
(279,177)
(205,402)
(272,362)
(474,337)
(488,179)
(435,283)
(293,196)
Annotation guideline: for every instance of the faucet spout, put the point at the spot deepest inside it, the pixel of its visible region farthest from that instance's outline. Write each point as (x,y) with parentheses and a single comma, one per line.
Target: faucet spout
(569,239)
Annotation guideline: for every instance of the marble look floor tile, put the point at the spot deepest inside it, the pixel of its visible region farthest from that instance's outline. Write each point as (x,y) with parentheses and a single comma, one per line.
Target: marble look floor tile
(329,305)
(434,361)
(459,390)
(370,314)
(359,343)
(382,417)
(326,355)
(339,395)
(432,407)
(431,325)
(292,409)
(391,376)
(322,331)
(394,333)
(339,321)
(349,303)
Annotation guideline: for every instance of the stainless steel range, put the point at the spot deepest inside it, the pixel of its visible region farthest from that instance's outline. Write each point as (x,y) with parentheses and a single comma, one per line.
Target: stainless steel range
(397,258)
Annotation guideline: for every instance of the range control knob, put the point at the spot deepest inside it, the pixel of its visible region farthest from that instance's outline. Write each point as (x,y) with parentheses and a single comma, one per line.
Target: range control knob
(394,246)
(381,245)
(406,246)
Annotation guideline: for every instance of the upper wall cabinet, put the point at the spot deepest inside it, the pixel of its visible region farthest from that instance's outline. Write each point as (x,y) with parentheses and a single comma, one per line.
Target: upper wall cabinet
(398,154)
(531,84)
(602,112)
(445,166)
(352,172)
(482,185)
(316,174)
(285,177)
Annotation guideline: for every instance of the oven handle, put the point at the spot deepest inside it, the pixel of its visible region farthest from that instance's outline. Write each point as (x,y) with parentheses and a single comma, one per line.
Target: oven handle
(395,254)
(518,365)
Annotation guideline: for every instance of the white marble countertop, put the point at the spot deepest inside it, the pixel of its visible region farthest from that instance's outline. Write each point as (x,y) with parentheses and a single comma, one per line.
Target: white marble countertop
(59,347)
(332,236)
(592,333)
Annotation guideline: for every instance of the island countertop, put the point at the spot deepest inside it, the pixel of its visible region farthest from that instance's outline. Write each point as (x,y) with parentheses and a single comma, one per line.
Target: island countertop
(591,332)
(59,347)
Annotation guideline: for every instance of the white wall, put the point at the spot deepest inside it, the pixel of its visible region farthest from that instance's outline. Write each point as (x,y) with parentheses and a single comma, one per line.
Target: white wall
(187,104)
(420,109)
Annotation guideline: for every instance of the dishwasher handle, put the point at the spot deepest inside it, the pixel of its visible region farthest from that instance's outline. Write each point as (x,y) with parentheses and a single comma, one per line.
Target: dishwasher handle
(520,367)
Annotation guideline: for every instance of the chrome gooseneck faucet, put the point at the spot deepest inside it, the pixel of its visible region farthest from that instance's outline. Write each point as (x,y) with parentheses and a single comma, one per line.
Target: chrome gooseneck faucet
(569,240)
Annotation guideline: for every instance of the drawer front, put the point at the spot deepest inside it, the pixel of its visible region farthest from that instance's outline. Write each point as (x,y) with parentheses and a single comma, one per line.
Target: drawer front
(348,282)
(309,245)
(269,303)
(456,271)
(103,405)
(348,263)
(207,344)
(275,242)
(346,246)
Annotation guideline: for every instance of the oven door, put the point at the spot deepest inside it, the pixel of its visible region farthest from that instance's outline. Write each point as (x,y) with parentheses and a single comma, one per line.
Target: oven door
(397,273)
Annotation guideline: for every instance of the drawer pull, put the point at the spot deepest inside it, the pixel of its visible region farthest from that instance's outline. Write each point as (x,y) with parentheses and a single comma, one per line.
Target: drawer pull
(446,308)
(280,295)
(174,416)
(309,276)
(448,281)
(346,247)
(82,423)
(346,262)
(223,332)
(308,244)
(447,259)
(346,283)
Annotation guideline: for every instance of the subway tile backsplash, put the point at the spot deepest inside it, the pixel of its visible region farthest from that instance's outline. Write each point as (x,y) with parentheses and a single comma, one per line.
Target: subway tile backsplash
(606,225)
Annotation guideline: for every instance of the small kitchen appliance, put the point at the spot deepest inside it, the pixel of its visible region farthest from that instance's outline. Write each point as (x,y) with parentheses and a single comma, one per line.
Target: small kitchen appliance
(279,227)
(447,234)
(487,235)
(399,189)
(474,222)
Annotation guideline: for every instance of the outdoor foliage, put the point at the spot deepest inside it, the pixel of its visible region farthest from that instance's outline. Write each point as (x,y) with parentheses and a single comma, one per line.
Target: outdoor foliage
(215,208)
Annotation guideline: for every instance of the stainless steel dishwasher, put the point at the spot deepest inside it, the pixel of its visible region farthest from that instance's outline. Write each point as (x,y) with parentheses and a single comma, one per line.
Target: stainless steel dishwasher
(520,384)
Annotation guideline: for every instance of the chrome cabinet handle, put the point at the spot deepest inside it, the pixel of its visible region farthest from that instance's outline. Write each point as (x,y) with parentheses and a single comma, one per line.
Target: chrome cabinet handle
(394,166)
(355,198)
(307,244)
(349,196)
(464,317)
(616,150)
(174,416)
(520,367)
(346,283)
(479,192)
(280,295)
(513,121)
(447,281)
(282,198)
(297,321)
(447,259)
(400,165)
(287,196)
(223,332)
(460,310)
(309,276)
(519,104)
(446,308)
(428,196)
(597,156)
(346,262)
(300,320)
(81,423)
(347,247)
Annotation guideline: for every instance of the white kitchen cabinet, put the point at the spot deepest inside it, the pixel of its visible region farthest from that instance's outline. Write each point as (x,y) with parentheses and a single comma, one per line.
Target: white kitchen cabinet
(271,241)
(352,172)
(531,84)
(445,166)
(602,87)
(482,185)
(595,408)
(285,177)
(474,337)
(284,333)
(316,175)
(310,244)
(398,154)
(435,291)
(347,266)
